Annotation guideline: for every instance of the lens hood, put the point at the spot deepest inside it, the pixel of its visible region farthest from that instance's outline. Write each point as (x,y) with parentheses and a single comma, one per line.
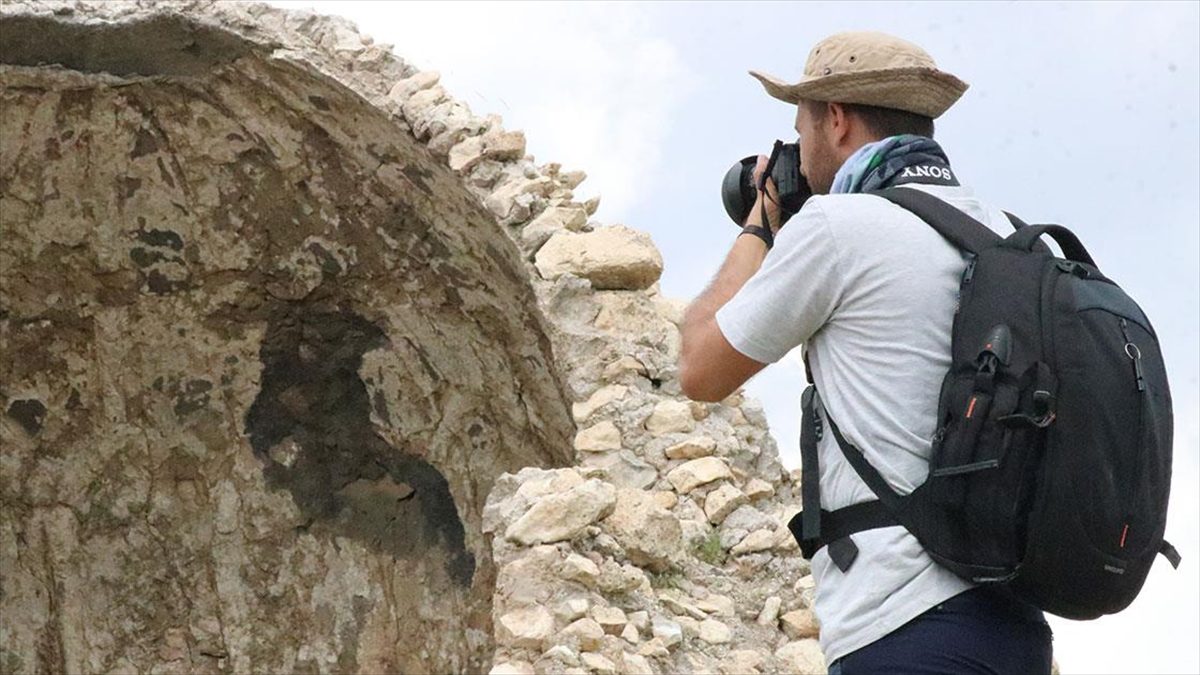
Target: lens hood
(737,189)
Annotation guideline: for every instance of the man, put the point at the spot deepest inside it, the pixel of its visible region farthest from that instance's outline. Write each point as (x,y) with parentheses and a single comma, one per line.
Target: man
(870,290)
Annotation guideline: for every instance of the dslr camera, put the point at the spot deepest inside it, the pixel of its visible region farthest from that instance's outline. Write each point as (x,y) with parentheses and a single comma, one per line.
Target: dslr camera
(738,190)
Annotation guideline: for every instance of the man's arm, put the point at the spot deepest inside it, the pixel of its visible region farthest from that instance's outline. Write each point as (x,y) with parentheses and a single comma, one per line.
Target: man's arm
(710,369)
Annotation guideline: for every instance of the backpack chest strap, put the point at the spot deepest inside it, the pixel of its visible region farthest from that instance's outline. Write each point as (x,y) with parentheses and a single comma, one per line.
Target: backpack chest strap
(814,527)
(836,528)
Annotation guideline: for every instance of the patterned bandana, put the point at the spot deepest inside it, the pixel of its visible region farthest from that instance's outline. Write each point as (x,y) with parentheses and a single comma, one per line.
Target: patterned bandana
(894,161)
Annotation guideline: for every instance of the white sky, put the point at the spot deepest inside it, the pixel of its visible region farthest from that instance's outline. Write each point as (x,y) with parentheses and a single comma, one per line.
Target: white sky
(1083,114)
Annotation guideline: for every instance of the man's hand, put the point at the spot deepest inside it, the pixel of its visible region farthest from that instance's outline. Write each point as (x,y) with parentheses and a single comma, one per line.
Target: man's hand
(771,201)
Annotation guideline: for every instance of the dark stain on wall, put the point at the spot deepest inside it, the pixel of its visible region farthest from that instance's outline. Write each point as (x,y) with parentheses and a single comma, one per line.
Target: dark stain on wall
(310,424)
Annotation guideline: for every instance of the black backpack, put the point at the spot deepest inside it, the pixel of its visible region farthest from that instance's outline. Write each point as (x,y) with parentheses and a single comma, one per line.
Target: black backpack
(1051,463)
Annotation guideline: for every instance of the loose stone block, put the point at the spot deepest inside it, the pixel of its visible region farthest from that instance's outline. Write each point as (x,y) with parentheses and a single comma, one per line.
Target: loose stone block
(688,476)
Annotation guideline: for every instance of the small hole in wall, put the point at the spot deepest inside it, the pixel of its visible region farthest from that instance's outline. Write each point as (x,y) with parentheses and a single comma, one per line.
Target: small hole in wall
(655,382)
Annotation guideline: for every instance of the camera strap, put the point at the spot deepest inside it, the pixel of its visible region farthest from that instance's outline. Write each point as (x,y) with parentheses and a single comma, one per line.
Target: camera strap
(768,236)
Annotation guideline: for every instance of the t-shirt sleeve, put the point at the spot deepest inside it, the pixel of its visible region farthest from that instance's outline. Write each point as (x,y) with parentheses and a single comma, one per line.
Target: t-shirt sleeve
(793,294)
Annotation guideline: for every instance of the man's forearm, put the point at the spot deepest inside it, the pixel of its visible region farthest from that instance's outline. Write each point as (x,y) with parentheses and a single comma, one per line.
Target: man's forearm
(743,261)
(709,366)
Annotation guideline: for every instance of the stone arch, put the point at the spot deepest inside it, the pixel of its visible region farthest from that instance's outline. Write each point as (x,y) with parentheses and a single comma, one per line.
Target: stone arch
(265,355)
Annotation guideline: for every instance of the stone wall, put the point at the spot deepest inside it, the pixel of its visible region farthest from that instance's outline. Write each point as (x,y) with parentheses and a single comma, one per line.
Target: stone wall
(306,367)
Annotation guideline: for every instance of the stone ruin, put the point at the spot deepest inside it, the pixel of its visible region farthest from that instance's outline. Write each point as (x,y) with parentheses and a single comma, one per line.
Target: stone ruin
(307,368)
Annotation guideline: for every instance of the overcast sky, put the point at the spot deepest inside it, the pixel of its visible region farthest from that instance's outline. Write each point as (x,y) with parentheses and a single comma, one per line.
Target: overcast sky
(1082,114)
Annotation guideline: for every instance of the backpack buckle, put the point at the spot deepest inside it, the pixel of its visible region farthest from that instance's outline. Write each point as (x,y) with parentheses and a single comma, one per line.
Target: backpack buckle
(1071,267)
(1043,407)
(1043,413)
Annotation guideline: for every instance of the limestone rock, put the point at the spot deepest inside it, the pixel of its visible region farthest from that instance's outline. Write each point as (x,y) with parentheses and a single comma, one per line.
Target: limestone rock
(630,315)
(612,257)
(563,516)
(503,145)
(690,475)
(722,501)
(741,662)
(757,488)
(563,655)
(514,494)
(571,608)
(756,541)
(611,619)
(667,631)
(692,448)
(578,568)
(721,605)
(654,648)
(697,662)
(560,218)
(625,364)
(623,469)
(598,663)
(800,623)
(770,611)
(670,416)
(650,535)
(666,499)
(598,400)
(493,145)
(466,154)
(511,202)
(640,620)
(525,628)
(714,632)
(422,101)
(636,664)
(801,656)
(599,438)
(616,578)
(586,632)
(681,605)
(690,627)
(805,588)
(529,579)
(748,518)
(741,522)
(405,88)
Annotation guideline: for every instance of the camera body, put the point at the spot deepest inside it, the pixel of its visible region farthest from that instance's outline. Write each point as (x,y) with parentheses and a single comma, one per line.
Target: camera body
(738,191)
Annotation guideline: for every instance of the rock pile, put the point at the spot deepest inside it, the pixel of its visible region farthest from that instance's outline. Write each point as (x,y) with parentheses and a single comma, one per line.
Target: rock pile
(666,549)
(662,549)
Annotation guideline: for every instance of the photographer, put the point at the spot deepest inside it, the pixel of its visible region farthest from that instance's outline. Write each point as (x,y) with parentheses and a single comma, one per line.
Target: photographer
(870,291)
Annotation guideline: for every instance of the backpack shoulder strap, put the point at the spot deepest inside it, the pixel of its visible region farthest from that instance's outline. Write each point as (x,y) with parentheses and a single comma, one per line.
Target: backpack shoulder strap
(1017,223)
(957,227)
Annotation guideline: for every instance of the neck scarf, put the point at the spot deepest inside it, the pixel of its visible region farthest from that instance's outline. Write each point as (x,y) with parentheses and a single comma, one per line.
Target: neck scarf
(894,161)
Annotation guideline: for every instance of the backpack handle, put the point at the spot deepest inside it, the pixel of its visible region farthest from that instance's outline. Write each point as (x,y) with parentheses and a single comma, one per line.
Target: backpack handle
(1025,238)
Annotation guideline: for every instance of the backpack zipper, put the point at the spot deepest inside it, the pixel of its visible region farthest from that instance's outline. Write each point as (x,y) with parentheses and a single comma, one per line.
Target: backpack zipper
(1135,354)
(969,273)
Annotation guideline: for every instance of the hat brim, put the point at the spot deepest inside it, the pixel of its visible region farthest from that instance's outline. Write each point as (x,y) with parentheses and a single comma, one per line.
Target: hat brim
(925,91)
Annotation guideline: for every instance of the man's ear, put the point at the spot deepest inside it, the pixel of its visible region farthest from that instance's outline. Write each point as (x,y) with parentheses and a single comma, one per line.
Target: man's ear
(839,123)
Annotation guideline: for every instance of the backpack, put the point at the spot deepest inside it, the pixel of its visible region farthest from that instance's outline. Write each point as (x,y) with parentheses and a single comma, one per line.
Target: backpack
(1051,461)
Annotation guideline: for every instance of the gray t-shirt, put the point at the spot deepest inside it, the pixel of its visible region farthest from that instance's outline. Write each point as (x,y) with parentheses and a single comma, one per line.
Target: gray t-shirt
(870,291)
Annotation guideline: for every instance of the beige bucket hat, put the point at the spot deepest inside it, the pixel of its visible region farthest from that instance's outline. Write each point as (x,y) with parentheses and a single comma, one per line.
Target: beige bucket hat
(874,69)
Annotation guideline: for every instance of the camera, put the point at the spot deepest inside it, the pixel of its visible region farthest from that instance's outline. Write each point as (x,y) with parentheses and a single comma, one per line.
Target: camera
(738,191)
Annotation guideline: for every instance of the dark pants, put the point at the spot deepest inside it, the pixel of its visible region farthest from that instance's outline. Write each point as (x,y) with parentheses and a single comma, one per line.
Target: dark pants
(979,631)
